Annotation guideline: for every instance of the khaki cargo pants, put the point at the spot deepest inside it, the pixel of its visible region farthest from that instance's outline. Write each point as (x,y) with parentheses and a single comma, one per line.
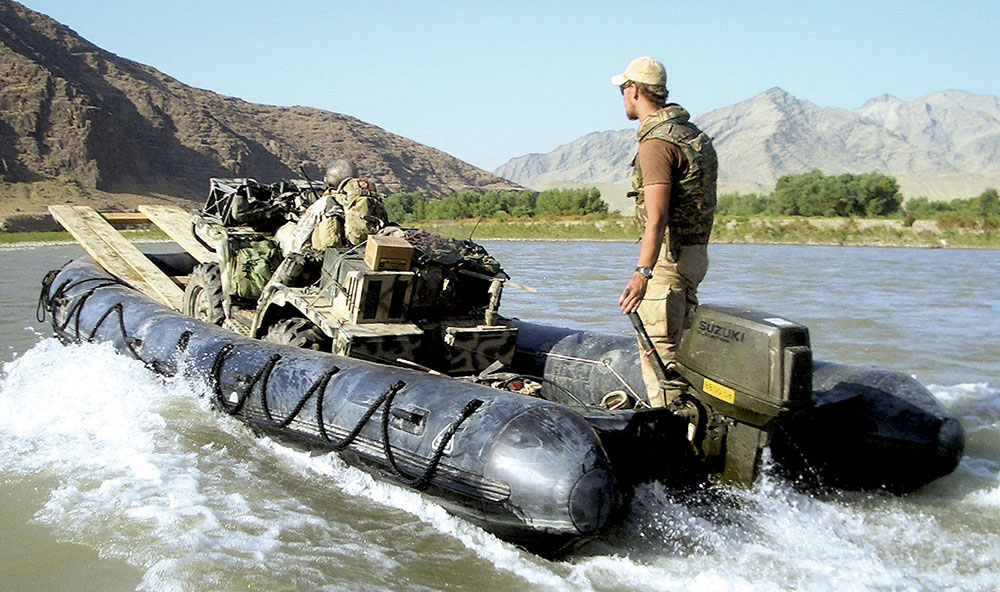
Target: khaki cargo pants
(668,306)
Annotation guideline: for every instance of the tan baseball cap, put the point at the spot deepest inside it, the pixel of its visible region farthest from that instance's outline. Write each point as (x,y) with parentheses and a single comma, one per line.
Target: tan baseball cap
(645,70)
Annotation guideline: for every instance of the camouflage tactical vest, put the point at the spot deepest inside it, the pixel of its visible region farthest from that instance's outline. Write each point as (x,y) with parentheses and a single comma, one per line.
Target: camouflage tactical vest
(692,199)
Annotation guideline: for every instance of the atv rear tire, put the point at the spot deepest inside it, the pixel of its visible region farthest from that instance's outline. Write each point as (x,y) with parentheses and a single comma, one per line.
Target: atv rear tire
(298,333)
(203,294)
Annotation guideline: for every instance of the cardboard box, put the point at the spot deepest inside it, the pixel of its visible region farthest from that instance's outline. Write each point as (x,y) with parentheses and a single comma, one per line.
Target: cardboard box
(388,253)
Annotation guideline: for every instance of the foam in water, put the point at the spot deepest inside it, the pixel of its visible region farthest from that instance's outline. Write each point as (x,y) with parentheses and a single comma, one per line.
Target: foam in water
(977,406)
(144,470)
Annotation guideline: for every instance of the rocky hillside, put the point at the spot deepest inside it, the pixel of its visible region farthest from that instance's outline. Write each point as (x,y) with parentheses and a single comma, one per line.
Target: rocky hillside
(944,145)
(80,121)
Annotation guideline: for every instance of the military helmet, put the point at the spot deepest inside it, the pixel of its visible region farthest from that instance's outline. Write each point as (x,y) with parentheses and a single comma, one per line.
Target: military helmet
(337,170)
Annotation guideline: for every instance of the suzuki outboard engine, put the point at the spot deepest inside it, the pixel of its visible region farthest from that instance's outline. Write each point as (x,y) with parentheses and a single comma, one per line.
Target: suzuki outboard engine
(748,371)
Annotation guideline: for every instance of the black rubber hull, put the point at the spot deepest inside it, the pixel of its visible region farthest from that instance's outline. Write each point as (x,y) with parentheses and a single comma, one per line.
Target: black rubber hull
(544,474)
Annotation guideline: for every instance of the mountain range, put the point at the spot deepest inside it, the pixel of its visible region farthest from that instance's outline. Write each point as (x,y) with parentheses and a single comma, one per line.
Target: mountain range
(78,123)
(943,145)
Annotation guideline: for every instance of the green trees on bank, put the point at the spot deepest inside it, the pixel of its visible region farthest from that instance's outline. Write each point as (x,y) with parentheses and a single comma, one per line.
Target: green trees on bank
(847,195)
(985,205)
(412,207)
(816,194)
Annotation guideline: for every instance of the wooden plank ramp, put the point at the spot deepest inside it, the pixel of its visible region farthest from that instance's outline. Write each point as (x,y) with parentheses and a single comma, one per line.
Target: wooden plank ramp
(116,255)
(177,224)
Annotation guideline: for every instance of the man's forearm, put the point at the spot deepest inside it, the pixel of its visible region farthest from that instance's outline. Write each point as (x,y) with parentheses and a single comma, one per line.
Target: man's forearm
(652,240)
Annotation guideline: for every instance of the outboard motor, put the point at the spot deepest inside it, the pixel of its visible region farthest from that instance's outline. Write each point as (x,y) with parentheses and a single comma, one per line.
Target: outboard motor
(747,372)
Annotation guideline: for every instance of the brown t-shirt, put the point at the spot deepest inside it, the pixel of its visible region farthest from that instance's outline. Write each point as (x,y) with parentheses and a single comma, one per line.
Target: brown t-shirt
(661,162)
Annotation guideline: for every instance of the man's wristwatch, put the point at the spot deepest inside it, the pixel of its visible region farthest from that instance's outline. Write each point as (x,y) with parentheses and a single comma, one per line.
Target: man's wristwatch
(645,272)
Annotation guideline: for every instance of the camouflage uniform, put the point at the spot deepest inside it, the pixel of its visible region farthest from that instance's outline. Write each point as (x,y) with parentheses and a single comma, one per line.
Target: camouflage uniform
(671,294)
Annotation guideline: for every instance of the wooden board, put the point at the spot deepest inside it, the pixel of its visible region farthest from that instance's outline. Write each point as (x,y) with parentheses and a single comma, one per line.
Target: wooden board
(116,255)
(176,223)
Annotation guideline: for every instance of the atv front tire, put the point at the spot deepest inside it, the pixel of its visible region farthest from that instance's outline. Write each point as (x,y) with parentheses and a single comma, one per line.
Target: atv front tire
(203,294)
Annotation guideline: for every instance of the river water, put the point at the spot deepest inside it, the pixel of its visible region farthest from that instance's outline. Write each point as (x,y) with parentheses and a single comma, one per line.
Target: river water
(115,479)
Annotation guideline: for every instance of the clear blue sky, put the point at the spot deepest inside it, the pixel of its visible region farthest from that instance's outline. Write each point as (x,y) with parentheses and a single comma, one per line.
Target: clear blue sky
(488,81)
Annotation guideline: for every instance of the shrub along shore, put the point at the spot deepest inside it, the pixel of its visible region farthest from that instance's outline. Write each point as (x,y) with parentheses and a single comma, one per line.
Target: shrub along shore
(728,229)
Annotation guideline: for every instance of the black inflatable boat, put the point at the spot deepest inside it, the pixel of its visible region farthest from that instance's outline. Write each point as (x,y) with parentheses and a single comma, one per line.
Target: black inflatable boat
(545,472)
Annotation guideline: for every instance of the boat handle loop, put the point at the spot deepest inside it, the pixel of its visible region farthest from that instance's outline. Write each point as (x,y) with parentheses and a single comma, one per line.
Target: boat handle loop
(233,407)
(130,342)
(50,303)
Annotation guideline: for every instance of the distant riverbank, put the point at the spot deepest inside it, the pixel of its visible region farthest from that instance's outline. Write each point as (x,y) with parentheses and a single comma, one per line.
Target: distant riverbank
(736,230)
(53,238)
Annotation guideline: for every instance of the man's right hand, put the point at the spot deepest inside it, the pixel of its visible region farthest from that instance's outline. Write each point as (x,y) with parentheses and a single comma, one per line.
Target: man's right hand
(633,293)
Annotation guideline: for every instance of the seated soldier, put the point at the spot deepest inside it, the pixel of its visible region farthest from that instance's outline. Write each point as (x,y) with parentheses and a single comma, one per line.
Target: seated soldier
(363,207)
(349,210)
(364,210)
(321,225)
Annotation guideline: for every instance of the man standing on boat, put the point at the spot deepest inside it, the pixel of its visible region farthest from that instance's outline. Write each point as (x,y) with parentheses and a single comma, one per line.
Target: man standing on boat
(673,182)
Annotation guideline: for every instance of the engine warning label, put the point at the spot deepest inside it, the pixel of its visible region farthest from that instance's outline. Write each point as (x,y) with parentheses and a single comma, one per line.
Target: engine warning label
(718,391)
